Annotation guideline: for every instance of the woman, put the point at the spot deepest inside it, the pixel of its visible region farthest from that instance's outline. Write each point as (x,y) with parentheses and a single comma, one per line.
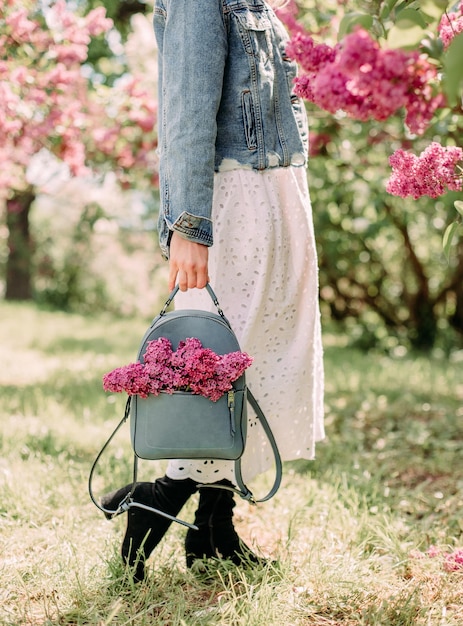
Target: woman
(235,210)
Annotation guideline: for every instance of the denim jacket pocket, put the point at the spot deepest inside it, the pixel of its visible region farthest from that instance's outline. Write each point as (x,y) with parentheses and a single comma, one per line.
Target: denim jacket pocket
(254,28)
(249,120)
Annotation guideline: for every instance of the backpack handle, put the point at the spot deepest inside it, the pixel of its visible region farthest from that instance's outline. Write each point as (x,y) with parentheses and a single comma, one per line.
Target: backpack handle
(210,291)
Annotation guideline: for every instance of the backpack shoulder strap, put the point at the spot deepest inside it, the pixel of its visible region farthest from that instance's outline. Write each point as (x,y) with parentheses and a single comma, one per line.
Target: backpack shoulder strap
(242,490)
(268,431)
(128,502)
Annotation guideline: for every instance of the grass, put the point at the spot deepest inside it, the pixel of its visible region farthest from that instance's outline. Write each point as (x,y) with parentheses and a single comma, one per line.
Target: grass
(350,532)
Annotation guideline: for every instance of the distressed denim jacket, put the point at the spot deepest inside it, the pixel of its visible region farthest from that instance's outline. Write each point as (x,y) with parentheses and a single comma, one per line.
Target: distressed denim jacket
(225,100)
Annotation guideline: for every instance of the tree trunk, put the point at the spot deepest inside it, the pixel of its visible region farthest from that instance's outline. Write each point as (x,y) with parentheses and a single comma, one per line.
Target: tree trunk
(457,318)
(19,262)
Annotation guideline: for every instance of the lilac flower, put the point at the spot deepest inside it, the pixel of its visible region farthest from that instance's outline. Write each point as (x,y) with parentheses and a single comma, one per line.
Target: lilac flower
(451,24)
(158,351)
(129,378)
(190,368)
(365,81)
(431,173)
(233,365)
(450,561)
(454,561)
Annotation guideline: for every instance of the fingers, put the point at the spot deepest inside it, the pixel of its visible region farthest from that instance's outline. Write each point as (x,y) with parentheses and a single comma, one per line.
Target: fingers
(202,278)
(188,264)
(173,274)
(187,280)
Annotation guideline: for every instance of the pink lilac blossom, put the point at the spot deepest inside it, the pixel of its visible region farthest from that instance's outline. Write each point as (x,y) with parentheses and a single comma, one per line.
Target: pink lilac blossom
(130,378)
(365,81)
(453,562)
(311,57)
(451,24)
(193,364)
(433,551)
(432,173)
(47,102)
(190,368)
(288,15)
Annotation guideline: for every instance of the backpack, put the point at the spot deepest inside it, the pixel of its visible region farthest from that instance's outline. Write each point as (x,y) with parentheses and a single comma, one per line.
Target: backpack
(184,425)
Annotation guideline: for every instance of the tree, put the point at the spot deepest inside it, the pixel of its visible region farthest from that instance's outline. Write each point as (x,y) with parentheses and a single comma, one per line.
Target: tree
(50,100)
(395,67)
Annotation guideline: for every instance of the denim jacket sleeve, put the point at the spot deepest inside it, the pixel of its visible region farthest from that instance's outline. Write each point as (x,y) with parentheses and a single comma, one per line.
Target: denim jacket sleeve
(192,44)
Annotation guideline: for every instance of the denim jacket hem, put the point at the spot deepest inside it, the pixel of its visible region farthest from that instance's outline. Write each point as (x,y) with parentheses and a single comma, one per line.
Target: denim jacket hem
(194,227)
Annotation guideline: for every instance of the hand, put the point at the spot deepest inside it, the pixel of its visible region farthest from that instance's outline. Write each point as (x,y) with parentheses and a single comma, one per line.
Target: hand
(188,263)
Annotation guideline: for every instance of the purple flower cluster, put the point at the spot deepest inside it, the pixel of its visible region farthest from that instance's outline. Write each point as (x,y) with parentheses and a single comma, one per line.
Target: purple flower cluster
(365,81)
(431,173)
(190,368)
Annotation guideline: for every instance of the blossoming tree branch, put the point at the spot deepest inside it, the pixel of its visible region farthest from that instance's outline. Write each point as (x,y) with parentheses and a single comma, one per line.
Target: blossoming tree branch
(49,99)
(397,56)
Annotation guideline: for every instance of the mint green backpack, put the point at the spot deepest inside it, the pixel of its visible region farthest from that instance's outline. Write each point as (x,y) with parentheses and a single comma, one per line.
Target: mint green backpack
(183,425)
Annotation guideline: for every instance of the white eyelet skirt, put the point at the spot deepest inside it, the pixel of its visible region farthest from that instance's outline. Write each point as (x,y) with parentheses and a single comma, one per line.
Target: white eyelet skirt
(263,269)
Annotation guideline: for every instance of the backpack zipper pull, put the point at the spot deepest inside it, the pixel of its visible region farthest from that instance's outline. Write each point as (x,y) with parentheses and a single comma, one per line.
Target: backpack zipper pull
(231,408)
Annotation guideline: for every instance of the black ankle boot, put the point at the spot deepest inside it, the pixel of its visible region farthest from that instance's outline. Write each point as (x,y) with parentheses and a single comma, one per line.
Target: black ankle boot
(144,528)
(217,537)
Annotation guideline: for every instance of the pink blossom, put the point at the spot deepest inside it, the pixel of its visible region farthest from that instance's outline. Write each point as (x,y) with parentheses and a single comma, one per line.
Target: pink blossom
(453,562)
(73,153)
(312,57)
(365,81)
(142,119)
(125,157)
(433,551)
(288,15)
(190,368)
(331,90)
(46,101)
(431,173)
(21,25)
(105,139)
(97,22)
(69,53)
(193,364)
(233,365)
(158,351)
(65,18)
(130,378)
(60,76)
(358,53)
(450,25)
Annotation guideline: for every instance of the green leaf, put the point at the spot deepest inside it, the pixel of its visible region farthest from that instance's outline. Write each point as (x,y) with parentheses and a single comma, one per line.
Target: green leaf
(433,47)
(408,31)
(458,204)
(453,70)
(411,15)
(387,7)
(433,8)
(350,20)
(448,238)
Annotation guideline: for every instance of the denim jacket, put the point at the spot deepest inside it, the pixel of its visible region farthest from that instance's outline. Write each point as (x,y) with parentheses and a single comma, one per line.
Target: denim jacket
(225,100)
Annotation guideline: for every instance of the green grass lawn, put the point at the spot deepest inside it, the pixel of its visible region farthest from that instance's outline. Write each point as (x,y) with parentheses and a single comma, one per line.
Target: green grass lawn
(363,535)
